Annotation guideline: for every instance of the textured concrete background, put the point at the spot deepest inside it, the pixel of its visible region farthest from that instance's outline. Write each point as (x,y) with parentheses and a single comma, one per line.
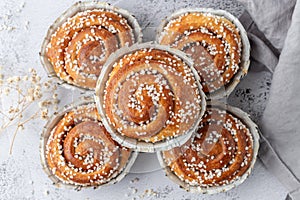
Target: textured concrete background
(21,175)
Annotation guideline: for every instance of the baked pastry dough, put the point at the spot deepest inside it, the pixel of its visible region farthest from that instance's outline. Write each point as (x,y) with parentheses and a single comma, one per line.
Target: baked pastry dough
(81,152)
(80,46)
(218,154)
(152,95)
(212,41)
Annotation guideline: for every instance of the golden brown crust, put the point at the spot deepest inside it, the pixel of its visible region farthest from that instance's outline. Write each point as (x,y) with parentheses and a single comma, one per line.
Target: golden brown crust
(212,41)
(152,95)
(81,152)
(218,154)
(79,47)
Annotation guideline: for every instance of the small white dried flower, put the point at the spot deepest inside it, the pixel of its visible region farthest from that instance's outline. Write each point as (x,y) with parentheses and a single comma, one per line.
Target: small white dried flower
(6,91)
(30,91)
(11,110)
(21,126)
(13,79)
(47,85)
(25,78)
(1,79)
(30,98)
(37,88)
(9,80)
(41,104)
(37,95)
(45,103)
(33,80)
(38,78)
(17,78)
(31,70)
(44,113)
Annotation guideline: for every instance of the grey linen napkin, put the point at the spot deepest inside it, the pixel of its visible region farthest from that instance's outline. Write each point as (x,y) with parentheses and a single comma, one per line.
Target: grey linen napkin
(275,41)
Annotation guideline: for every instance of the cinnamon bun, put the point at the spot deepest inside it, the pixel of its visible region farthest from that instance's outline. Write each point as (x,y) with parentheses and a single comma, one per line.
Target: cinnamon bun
(219,154)
(215,44)
(79,150)
(80,46)
(151,95)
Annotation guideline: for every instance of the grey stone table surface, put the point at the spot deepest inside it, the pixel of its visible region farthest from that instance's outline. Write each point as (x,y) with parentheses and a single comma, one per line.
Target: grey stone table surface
(23,25)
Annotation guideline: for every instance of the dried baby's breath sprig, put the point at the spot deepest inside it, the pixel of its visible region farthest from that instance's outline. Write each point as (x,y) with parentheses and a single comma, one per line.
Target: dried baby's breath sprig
(27,98)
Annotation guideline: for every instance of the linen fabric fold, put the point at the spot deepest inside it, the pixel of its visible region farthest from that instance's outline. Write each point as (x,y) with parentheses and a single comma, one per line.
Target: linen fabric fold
(274,31)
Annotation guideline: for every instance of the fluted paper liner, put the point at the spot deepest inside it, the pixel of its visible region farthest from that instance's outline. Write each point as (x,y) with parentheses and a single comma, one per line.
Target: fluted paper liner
(132,143)
(46,134)
(73,10)
(244,117)
(245,57)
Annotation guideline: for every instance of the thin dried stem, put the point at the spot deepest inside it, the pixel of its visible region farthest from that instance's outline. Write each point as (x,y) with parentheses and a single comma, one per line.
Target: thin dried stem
(13,139)
(4,114)
(34,116)
(27,89)
(16,116)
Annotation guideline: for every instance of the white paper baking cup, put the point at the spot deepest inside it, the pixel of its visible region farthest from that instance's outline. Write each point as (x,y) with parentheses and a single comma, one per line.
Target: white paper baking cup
(245,119)
(132,143)
(245,57)
(46,134)
(73,10)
